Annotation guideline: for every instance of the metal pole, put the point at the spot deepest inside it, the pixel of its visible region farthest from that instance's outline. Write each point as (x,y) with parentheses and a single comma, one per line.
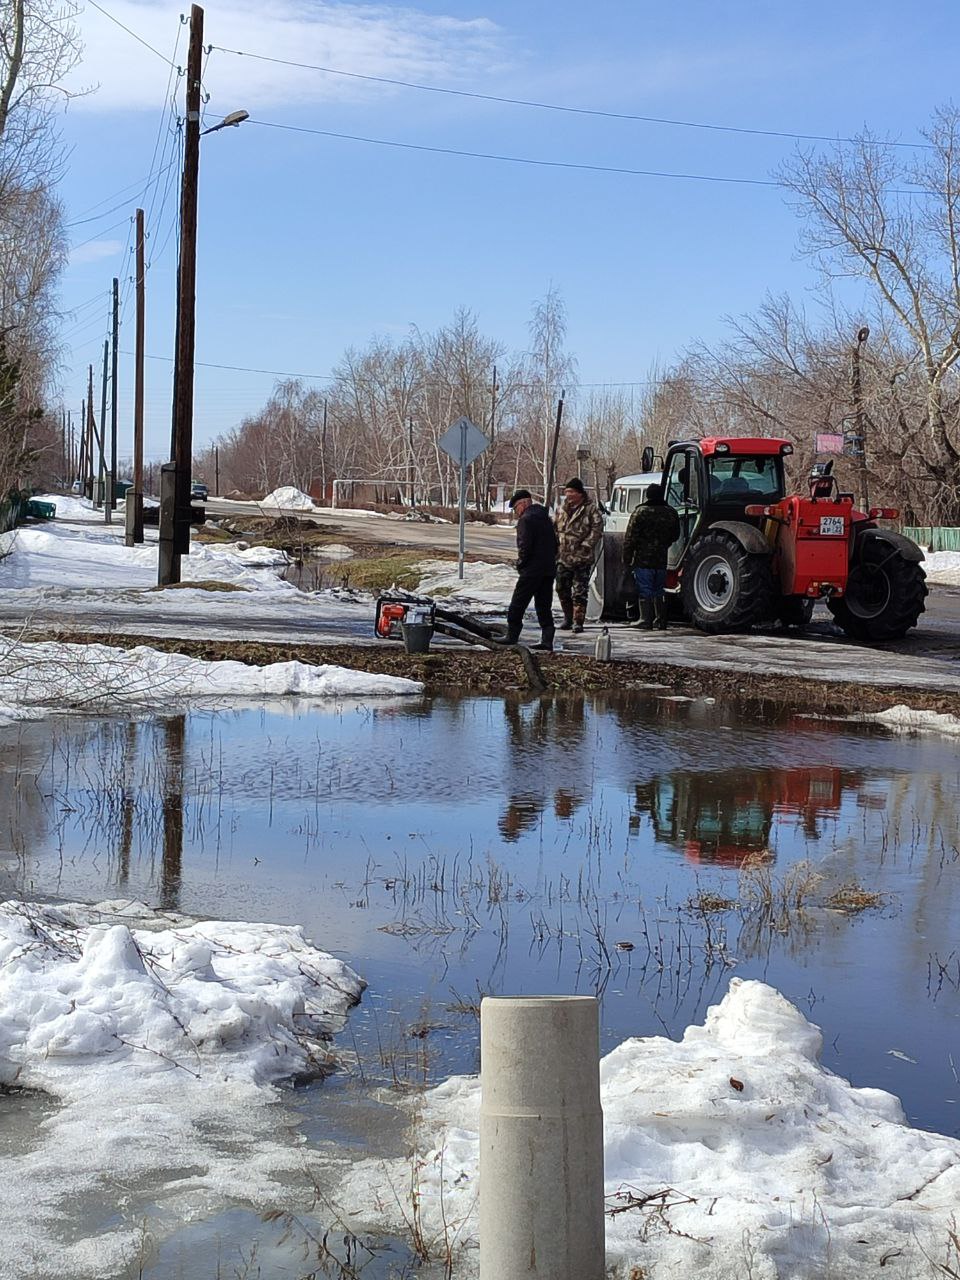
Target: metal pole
(216,470)
(541,1139)
(463,496)
(175,530)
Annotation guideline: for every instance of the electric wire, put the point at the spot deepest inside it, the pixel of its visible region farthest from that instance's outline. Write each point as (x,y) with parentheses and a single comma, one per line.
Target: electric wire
(528,160)
(139,39)
(554,106)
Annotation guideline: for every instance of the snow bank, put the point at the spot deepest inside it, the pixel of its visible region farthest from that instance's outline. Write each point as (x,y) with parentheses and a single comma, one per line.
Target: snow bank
(69,508)
(289,498)
(52,674)
(942,567)
(96,557)
(490,583)
(761,1161)
(912,720)
(161,1041)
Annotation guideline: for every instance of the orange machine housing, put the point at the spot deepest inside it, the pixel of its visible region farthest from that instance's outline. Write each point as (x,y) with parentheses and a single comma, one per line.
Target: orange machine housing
(812,541)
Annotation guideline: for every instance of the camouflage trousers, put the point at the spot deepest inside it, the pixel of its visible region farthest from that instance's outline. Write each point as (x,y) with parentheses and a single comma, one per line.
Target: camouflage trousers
(573,584)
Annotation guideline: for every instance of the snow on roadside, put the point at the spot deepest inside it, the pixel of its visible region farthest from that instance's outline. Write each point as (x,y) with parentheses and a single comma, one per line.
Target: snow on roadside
(161,1042)
(55,675)
(289,498)
(72,558)
(796,1173)
(69,508)
(489,583)
(942,567)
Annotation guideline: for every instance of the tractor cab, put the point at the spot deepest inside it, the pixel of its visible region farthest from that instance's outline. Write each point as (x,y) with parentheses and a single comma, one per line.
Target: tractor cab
(716,480)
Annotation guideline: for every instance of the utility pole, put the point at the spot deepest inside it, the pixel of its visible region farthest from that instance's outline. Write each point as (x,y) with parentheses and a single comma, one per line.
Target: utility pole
(548,496)
(175,496)
(102,478)
(113,396)
(216,470)
(860,418)
(90,487)
(410,462)
(134,508)
(323,453)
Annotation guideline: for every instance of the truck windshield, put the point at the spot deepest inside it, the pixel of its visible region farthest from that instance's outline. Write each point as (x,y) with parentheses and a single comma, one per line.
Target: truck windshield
(734,479)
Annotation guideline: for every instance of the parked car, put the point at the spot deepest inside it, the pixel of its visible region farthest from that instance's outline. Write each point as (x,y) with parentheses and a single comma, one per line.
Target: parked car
(75,487)
(199,491)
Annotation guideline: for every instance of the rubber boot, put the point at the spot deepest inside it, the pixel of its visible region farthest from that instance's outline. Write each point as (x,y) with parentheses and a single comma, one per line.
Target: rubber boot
(646,616)
(579,616)
(660,614)
(512,636)
(546,642)
(567,607)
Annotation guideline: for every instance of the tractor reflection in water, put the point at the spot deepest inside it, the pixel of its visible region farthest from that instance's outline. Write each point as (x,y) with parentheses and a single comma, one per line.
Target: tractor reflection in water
(725,818)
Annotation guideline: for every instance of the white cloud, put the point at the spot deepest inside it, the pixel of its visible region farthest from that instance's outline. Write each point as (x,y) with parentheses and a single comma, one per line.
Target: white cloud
(94,251)
(381,40)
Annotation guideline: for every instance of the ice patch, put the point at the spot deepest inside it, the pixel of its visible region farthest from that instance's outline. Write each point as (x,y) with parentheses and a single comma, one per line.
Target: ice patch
(490,583)
(910,719)
(162,1044)
(794,1174)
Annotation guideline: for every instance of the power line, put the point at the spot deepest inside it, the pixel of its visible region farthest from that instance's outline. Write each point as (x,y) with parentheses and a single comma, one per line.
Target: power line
(139,39)
(548,164)
(554,106)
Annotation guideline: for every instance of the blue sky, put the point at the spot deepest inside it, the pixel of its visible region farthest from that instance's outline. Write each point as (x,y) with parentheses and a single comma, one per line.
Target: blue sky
(311,244)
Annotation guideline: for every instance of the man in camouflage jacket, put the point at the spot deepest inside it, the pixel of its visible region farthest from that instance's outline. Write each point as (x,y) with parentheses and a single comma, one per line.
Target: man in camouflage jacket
(580,530)
(653,528)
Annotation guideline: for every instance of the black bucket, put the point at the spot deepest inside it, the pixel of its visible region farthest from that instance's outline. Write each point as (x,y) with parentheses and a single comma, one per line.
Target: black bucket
(416,636)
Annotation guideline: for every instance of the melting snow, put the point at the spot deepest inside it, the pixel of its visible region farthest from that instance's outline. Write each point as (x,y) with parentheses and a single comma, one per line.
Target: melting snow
(797,1174)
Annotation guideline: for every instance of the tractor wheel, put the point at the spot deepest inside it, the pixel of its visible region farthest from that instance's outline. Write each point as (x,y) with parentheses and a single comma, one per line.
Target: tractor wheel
(884,596)
(725,587)
(795,611)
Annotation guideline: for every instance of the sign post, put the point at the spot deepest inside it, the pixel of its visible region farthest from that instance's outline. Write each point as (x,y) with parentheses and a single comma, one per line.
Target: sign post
(464,443)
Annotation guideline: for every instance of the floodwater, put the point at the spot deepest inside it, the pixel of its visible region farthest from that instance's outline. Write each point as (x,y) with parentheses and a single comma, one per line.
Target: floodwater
(451,848)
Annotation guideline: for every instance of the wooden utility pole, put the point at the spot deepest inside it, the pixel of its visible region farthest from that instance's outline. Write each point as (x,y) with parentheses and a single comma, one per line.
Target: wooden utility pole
(135,496)
(548,496)
(112,501)
(216,470)
(90,490)
(102,477)
(860,418)
(175,512)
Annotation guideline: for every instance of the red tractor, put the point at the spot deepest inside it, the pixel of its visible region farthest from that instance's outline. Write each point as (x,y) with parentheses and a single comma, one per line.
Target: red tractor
(750,554)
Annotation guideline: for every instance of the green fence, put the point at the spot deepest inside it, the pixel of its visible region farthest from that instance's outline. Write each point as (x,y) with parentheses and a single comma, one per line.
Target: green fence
(936,538)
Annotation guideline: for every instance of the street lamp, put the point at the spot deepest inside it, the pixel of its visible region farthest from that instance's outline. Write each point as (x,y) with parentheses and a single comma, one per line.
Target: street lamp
(175,476)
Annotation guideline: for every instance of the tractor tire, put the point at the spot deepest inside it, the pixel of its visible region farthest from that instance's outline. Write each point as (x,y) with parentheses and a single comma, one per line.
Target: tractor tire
(795,611)
(884,596)
(724,587)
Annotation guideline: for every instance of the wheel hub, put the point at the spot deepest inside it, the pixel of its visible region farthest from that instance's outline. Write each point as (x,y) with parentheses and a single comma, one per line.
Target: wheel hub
(713,584)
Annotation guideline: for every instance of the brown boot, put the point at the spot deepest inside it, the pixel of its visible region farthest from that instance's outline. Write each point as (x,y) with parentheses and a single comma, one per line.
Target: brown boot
(579,617)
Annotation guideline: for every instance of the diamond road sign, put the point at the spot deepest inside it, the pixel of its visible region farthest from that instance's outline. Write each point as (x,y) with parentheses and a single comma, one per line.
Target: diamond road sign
(463,442)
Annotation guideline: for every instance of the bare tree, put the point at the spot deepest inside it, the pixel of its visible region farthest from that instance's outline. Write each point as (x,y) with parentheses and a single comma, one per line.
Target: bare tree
(894,221)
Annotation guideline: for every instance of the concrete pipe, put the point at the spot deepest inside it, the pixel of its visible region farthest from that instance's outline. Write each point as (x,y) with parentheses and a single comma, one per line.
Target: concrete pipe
(541,1139)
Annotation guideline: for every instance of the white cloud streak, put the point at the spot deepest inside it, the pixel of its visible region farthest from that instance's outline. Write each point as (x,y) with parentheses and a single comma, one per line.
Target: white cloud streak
(94,251)
(380,40)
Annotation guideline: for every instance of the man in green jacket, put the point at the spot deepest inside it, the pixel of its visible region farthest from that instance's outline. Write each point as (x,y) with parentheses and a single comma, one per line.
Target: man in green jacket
(653,528)
(579,527)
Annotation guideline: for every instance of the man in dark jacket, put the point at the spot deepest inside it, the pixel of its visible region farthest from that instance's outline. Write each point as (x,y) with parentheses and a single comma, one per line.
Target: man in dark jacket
(653,528)
(536,566)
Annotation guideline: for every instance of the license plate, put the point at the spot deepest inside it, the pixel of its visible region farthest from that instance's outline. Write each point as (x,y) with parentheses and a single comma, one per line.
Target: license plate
(831,526)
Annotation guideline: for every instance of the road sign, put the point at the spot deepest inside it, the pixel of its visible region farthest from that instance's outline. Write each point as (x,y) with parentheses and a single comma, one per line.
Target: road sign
(463,442)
